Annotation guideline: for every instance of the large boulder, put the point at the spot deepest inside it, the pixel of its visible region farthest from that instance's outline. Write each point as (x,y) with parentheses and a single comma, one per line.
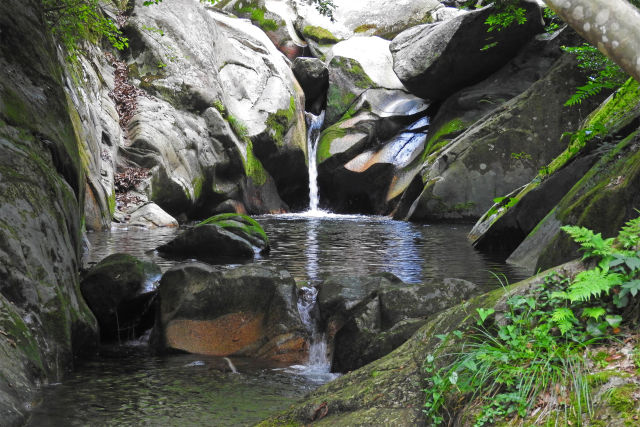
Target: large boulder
(502,151)
(43,318)
(248,311)
(313,76)
(435,60)
(373,18)
(113,288)
(219,239)
(390,390)
(219,119)
(604,198)
(369,316)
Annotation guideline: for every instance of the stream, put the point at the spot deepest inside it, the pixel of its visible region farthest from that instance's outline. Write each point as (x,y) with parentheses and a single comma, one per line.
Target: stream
(126,386)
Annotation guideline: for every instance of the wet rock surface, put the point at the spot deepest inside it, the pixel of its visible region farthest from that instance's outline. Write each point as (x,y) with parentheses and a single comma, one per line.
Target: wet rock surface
(246,311)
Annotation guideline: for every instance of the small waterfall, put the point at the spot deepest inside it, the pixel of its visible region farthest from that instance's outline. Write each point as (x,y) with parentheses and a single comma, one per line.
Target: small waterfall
(318,367)
(314,124)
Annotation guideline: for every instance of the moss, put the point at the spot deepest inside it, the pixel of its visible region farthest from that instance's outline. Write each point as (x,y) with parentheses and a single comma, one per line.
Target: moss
(364,28)
(601,378)
(257,13)
(438,140)
(319,35)
(17,333)
(339,101)
(253,167)
(621,399)
(234,220)
(197,183)
(280,122)
(13,108)
(112,202)
(326,139)
(354,71)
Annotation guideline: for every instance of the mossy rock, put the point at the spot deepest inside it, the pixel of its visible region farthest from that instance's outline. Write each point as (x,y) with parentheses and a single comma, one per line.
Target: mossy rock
(220,239)
(320,35)
(240,223)
(392,388)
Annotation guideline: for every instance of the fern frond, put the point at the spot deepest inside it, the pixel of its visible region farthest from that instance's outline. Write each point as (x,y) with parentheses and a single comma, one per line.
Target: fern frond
(594,312)
(563,317)
(591,243)
(592,283)
(629,235)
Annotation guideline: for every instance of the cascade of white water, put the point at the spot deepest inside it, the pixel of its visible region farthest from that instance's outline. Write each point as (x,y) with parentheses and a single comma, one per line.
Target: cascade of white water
(319,364)
(314,124)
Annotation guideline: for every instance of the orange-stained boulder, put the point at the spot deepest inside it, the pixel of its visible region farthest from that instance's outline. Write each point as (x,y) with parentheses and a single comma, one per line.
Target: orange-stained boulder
(246,311)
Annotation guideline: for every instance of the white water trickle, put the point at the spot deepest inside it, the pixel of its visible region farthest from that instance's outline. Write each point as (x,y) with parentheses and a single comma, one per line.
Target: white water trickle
(319,366)
(313,135)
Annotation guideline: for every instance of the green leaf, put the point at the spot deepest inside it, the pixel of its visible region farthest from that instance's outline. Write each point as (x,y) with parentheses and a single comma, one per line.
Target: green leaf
(633,287)
(594,312)
(484,313)
(613,320)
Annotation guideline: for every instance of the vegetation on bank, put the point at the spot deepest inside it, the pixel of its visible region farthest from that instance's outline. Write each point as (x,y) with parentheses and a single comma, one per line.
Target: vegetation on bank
(532,361)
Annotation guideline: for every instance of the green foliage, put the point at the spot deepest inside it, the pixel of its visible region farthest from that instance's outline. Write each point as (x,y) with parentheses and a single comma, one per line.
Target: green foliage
(74,21)
(234,220)
(502,203)
(507,13)
(539,344)
(602,73)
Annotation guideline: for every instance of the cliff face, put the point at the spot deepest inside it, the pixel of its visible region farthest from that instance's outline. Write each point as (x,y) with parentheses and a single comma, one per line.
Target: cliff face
(43,321)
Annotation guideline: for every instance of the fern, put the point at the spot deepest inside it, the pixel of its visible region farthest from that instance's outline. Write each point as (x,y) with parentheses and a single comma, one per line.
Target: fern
(564,319)
(592,283)
(594,312)
(629,236)
(591,243)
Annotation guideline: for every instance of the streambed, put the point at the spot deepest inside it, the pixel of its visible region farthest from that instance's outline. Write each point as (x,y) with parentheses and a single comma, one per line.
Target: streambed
(126,386)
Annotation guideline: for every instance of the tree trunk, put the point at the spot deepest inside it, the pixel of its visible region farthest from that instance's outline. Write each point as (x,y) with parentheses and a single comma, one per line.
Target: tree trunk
(613,26)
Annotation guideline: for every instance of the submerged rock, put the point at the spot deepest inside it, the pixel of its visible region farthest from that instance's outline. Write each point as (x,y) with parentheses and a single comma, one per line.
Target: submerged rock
(248,311)
(116,292)
(219,239)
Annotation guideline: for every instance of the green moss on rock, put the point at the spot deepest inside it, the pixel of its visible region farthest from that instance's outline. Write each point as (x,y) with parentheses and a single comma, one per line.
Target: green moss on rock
(319,35)
(232,221)
(256,14)
(326,139)
(281,121)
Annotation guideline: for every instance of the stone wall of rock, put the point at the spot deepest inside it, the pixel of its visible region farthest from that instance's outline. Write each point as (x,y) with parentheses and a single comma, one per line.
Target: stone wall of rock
(44,321)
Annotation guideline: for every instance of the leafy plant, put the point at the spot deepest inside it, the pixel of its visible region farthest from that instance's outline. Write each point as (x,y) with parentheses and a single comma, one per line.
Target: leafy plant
(74,21)
(536,352)
(602,73)
(507,13)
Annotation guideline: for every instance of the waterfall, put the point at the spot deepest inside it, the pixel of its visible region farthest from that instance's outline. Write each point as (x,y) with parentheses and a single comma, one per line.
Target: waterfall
(318,359)
(314,124)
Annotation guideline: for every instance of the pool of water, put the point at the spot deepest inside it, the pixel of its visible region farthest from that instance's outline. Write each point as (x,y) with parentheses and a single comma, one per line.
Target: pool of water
(128,387)
(312,248)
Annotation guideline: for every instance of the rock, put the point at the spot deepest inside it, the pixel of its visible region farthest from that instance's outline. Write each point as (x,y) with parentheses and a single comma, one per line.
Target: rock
(359,157)
(248,311)
(368,316)
(435,60)
(501,152)
(390,390)
(219,239)
(313,76)
(506,227)
(113,290)
(604,197)
(151,215)
(372,18)
(210,130)
(275,18)
(44,321)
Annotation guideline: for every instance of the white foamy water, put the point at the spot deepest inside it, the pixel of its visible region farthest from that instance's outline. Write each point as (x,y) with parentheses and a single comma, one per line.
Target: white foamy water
(314,124)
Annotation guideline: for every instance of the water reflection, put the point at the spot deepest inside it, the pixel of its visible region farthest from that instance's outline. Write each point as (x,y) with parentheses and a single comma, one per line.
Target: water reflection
(312,247)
